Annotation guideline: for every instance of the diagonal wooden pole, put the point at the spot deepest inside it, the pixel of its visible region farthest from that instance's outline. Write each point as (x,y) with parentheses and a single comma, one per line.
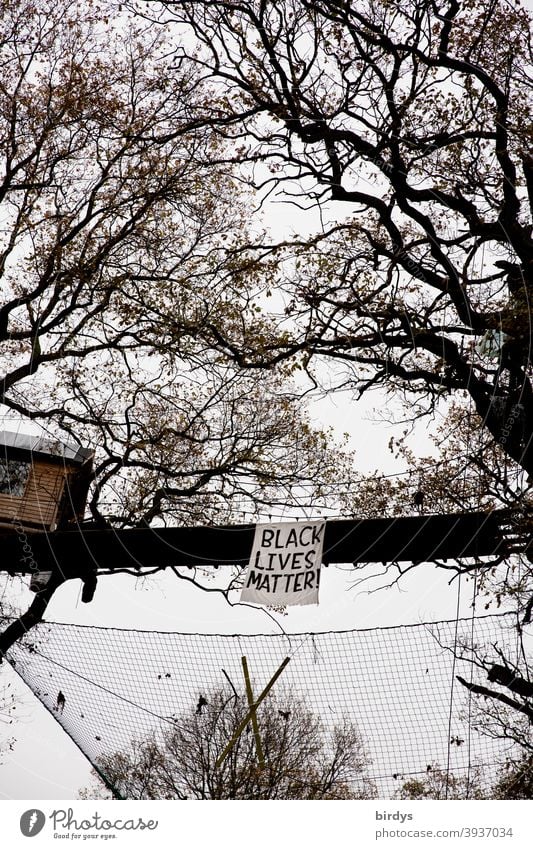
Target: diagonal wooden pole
(244,722)
(253,712)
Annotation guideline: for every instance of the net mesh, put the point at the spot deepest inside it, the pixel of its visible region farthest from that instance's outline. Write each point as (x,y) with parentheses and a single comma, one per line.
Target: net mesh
(397,684)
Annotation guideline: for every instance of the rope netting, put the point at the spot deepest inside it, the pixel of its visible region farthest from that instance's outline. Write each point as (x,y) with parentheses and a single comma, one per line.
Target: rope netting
(397,684)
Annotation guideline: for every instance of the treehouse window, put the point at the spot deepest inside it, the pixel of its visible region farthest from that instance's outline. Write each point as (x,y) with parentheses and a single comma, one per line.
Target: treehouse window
(13,477)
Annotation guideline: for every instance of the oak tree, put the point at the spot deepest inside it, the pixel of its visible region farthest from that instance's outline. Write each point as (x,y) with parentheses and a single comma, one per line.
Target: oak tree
(408,127)
(120,251)
(121,257)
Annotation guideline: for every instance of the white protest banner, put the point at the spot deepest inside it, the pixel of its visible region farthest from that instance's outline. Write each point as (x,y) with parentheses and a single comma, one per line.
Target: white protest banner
(285,564)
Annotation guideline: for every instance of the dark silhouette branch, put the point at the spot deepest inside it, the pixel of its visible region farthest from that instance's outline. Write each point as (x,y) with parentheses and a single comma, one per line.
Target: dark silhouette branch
(33,615)
(500,697)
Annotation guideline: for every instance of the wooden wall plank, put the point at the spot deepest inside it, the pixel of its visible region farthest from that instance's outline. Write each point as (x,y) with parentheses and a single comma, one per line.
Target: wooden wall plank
(39,504)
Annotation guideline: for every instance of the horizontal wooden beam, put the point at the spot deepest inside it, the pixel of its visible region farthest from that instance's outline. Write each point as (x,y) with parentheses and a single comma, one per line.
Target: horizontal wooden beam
(414,538)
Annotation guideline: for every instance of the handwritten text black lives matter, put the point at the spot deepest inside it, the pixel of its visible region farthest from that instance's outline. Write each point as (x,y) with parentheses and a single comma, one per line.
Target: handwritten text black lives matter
(285,564)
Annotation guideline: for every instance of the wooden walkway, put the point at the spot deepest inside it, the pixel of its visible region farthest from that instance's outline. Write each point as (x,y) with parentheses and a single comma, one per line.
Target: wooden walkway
(413,538)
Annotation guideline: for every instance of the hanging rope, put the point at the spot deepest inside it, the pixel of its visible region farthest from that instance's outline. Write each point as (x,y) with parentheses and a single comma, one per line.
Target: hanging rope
(470,694)
(452,685)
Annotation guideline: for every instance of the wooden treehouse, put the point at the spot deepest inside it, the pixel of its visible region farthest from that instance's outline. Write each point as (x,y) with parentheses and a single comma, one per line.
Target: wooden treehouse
(43,482)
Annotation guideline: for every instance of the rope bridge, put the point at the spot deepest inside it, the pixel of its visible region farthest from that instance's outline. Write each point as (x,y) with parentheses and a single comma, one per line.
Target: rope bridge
(107,687)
